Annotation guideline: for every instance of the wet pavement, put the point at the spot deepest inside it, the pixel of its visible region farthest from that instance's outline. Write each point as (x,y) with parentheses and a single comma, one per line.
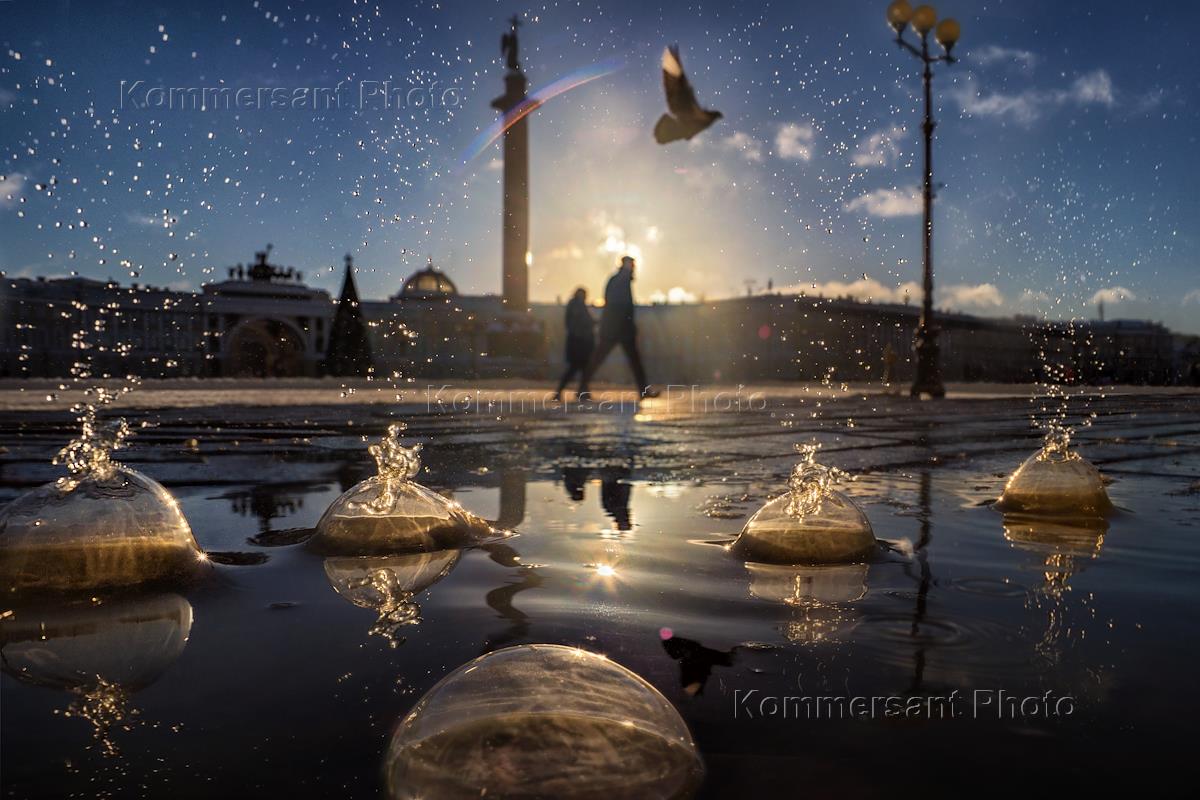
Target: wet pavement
(272,679)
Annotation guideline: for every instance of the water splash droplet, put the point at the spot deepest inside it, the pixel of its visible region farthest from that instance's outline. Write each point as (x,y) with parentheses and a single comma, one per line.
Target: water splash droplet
(810,482)
(90,453)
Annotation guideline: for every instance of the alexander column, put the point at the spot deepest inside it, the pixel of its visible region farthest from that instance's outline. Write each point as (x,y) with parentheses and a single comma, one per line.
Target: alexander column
(516,177)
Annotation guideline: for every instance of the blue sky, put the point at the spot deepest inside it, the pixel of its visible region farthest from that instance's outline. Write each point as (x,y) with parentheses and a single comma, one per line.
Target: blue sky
(1066,145)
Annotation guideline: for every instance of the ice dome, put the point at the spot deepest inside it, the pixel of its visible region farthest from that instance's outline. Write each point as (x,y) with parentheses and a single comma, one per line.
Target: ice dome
(99,652)
(826,584)
(542,721)
(104,525)
(1056,481)
(820,595)
(388,584)
(128,641)
(390,513)
(810,524)
(1080,538)
(1065,546)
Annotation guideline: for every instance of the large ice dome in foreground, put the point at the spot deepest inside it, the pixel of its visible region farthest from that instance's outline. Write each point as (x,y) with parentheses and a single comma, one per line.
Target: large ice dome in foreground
(542,721)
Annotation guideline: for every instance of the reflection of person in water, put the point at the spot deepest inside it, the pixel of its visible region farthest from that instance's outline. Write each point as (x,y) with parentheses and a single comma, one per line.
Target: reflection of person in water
(574,479)
(615,490)
(696,661)
(614,496)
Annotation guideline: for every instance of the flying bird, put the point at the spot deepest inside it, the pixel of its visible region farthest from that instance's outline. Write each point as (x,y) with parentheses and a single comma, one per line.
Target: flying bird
(685,117)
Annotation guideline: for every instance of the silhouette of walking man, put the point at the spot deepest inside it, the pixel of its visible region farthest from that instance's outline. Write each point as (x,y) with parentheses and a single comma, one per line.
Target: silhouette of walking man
(617,328)
(581,338)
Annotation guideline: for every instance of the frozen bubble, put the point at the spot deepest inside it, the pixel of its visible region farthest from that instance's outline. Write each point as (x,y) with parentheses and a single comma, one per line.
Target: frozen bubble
(102,525)
(1055,483)
(390,513)
(808,586)
(1064,545)
(130,641)
(100,653)
(388,585)
(1070,537)
(820,596)
(116,528)
(810,524)
(542,720)
(383,516)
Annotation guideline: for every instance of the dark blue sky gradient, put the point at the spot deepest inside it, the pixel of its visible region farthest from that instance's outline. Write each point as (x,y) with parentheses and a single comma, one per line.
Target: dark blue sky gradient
(1066,145)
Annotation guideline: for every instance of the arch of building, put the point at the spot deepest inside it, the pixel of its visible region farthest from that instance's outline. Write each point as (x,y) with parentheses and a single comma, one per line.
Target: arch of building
(265,347)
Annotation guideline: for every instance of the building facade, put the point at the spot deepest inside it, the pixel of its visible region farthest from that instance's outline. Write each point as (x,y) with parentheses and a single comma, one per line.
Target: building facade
(263,321)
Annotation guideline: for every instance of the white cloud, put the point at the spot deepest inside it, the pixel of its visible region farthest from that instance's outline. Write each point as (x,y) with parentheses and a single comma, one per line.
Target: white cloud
(1034,296)
(708,181)
(1192,297)
(866,289)
(1021,107)
(1092,88)
(880,149)
(1113,294)
(676,295)
(904,202)
(567,252)
(985,295)
(612,241)
(11,186)
(994,54)
(744,143)
(795,141)
(143,219)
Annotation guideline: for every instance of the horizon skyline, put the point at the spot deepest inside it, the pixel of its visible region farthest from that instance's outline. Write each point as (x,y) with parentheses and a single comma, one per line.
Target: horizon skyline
(1043,207)
(597,300)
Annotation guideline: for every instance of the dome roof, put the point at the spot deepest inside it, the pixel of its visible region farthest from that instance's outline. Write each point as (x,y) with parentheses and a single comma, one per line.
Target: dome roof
(429,282)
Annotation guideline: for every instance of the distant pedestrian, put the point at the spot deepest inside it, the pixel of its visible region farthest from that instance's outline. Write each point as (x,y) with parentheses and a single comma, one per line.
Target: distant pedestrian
(889,365)
(581,339)
(617,328)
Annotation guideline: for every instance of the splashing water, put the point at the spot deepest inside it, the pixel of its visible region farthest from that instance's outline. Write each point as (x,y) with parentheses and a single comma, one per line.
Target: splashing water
(1057,445)
(810,483)
(394,605)
(1056,402)
(105,705)
(395,463)
(90,454)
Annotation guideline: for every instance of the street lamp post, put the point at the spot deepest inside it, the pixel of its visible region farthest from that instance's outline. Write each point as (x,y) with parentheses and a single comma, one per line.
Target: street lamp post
(923,19)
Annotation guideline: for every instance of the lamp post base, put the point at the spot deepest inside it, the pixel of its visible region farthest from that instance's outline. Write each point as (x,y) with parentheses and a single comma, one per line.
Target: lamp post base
(929,372)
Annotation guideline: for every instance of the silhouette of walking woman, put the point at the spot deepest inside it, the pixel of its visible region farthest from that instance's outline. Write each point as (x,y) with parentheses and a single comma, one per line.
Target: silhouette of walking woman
(581,338)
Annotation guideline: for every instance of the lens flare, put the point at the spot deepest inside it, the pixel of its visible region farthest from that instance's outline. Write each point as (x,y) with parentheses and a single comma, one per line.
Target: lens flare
(536,100)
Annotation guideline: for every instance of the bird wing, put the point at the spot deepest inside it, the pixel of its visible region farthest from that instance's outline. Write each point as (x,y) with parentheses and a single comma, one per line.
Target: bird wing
(681,100)
(668,129)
